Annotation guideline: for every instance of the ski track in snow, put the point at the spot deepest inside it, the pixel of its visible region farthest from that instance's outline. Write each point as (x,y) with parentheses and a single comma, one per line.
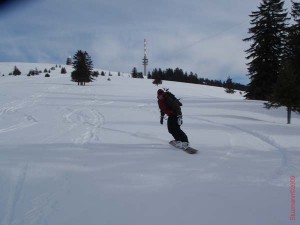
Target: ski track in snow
(285,162)
(88,117)
(26,122)
(42,206)
(16,106)
(39,207)
(15,196)
(38,213)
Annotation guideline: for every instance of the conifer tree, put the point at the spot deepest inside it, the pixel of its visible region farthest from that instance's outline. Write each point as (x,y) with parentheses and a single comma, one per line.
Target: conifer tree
(157,77)
(268,36)
(16,71)
(286,93)
(69,61)
(229,87)
(287,89)
(83,67)
(294,36)
(63,70)
(134,73)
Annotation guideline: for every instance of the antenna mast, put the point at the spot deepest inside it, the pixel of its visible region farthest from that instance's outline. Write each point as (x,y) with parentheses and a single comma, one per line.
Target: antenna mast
(145,60)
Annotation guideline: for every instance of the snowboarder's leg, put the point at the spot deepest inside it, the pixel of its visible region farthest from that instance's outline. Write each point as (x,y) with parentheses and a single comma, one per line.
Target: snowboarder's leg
(172,127)
(183,136)
(175,130)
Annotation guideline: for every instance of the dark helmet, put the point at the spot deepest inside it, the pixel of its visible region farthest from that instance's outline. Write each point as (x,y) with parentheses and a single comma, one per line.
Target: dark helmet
(160,92)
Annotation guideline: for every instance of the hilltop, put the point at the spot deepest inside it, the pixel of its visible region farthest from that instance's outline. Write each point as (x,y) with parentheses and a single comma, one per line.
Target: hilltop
(7,67)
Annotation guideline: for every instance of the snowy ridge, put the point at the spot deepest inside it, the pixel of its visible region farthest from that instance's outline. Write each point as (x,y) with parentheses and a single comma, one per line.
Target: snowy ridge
(8,67)
(98,155)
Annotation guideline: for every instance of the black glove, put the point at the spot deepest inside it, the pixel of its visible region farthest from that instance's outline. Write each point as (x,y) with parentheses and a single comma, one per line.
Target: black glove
(161,120)
(179,120)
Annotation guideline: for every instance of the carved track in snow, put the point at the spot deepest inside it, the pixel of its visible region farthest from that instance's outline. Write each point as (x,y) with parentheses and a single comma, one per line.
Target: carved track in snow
(285,162)
(89,119)
(14,197)
(11,113)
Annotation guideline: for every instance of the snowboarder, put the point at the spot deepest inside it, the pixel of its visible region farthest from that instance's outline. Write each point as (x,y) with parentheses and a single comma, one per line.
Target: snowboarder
(171,107)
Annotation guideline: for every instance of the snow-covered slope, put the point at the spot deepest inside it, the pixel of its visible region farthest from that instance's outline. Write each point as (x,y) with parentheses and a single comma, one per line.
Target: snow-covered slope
(97,154)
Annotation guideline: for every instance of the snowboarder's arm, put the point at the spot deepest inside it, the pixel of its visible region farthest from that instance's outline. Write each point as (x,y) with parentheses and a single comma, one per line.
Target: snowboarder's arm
(162,115)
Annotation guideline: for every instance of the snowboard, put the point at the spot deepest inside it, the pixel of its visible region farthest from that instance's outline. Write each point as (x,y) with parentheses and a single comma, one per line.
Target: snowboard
(189,150)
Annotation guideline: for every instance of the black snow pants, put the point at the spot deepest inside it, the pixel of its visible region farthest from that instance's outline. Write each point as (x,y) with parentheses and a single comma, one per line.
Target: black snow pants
(175,129)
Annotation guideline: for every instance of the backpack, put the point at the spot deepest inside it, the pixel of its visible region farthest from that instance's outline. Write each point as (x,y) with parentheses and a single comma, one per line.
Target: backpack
(170,95)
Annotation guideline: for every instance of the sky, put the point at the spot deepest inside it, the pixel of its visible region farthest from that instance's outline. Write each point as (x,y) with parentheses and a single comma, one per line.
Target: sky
(199,36)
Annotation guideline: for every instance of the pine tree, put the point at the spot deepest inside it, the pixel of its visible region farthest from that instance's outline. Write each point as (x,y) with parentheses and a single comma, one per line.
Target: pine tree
(83,67)
(268,34)
(157,77)
(229,86)
(134,73)
(294,36)
(287,90)
(16,71)
(169,74)
(63,70)
(69,61)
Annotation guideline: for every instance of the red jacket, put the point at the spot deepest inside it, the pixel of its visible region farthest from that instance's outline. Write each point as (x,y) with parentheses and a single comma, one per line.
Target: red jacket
(169,107)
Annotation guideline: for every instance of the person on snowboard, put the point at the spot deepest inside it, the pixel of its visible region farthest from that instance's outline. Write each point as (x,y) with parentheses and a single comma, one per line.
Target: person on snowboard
(171,108)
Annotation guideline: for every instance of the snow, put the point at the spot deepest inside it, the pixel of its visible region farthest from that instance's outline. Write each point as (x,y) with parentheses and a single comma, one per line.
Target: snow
(97,154)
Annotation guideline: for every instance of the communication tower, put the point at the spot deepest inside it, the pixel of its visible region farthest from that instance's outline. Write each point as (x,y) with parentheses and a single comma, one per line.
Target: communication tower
(145,60)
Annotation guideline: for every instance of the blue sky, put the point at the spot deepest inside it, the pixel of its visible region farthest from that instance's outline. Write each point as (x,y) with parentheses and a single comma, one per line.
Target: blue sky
(202,36)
